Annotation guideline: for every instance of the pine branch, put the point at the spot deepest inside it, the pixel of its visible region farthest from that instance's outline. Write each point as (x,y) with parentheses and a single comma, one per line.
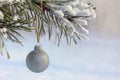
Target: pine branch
(45,16)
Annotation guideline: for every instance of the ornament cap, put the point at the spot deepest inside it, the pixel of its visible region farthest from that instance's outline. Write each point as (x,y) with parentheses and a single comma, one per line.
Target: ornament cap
(37,47)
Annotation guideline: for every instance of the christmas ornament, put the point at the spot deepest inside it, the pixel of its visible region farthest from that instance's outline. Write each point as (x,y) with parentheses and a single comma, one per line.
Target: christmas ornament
(37,60)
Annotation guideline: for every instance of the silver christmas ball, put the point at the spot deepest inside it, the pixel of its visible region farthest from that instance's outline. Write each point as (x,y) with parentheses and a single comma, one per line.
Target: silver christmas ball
(37,60)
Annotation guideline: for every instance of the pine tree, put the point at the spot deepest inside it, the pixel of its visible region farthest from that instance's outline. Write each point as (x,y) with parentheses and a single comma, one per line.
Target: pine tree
(67,18)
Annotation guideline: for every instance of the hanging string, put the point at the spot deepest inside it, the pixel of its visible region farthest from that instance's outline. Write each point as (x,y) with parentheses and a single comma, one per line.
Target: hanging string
(38,28)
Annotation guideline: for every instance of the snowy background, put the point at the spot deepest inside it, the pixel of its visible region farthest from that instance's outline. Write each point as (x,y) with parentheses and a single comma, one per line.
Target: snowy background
(97,59)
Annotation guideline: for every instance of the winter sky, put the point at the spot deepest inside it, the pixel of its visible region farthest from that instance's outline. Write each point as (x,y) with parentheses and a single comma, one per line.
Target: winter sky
(97,59)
